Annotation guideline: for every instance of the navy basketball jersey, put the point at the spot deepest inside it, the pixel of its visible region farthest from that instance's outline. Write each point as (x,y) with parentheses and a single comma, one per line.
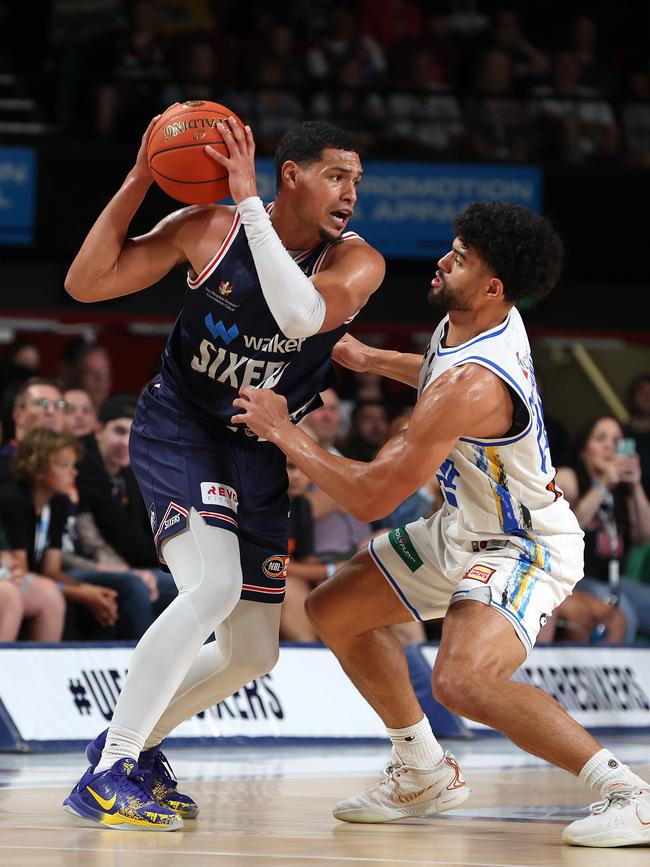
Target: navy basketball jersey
(225,337)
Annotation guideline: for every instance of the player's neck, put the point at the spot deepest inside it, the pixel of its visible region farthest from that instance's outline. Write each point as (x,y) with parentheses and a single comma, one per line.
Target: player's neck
(291,230)
(466,325)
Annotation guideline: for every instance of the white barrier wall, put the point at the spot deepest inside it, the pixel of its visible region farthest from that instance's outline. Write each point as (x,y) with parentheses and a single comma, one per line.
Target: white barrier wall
(55,696)
(60,694)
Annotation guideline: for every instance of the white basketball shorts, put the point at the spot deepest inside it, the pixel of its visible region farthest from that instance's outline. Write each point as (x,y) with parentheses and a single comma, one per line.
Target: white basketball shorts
(523,580)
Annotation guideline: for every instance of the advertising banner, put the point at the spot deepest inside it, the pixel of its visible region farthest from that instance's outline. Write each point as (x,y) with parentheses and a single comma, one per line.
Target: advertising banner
(17,194)
(60,694)
(405,209)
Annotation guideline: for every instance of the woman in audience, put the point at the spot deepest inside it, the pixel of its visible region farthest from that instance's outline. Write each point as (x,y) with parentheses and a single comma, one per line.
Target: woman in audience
(604,488)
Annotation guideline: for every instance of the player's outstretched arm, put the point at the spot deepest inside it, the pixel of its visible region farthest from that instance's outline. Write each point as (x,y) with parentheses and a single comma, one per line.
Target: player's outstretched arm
(465,401)
(107,264)
(355,355)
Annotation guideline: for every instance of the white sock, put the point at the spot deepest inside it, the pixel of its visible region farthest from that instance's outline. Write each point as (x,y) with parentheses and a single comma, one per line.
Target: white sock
(416,745)
(120,744)
(604,772)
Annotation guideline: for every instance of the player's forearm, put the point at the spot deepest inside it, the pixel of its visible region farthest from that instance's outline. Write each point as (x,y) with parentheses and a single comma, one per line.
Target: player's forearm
(97,258)
(297,306)
(357,486)
(402,366)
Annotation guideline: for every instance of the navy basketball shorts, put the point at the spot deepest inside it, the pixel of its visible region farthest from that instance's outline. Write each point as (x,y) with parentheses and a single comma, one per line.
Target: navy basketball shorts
(234,482)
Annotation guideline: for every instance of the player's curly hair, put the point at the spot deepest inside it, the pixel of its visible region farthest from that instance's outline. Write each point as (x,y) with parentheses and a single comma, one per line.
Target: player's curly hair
(305,142)
(522,248)
(35,452)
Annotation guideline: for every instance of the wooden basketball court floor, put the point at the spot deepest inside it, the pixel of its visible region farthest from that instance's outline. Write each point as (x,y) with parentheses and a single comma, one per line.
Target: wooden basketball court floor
(272,806)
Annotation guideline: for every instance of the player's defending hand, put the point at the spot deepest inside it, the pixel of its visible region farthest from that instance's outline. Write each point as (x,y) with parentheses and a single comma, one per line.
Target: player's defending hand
(351,353)
(265,412)
(240,164)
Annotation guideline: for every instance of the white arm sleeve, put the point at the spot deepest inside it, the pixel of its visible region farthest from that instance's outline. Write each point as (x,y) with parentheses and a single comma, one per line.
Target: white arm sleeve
(296,304)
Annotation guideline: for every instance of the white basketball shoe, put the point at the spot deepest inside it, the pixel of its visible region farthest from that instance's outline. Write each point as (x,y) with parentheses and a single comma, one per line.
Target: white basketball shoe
(622,819)
(407,791)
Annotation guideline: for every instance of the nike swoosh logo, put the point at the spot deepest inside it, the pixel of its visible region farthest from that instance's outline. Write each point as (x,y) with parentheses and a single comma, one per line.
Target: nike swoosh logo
(406,799)
(458,782)
(107,805)
(638,815)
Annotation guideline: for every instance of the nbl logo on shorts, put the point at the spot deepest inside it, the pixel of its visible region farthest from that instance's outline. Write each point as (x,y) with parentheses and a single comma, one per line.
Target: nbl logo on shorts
(276,566)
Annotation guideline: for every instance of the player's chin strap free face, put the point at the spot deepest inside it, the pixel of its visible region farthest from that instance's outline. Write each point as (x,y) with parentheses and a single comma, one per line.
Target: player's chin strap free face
(297,306)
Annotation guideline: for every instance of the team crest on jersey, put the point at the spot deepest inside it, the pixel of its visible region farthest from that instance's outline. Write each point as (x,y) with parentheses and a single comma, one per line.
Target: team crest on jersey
(276,566)
(152,517)
(225,288)
(480,573)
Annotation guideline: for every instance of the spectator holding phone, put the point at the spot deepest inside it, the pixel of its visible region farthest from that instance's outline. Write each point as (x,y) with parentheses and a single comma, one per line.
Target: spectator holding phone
(603,487)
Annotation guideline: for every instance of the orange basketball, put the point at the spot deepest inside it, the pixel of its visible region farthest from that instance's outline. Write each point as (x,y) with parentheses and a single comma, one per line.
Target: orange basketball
(176,155)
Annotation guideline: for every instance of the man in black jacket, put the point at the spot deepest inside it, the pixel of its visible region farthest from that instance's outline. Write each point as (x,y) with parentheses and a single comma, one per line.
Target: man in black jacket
(109,494)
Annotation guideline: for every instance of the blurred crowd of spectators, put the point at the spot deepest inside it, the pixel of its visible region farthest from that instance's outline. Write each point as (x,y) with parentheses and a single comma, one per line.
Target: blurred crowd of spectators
(433,80)
(77,559)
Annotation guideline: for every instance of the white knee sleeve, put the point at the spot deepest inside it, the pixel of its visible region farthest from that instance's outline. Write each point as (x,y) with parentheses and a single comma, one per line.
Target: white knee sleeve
(205,564)
(246,648)
(206,568)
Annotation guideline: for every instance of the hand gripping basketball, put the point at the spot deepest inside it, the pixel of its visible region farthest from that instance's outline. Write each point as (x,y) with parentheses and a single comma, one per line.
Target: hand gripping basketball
(240,161)
(176,152)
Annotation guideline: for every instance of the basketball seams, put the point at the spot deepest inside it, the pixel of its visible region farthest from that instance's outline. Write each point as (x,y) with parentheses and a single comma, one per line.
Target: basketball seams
(183,147)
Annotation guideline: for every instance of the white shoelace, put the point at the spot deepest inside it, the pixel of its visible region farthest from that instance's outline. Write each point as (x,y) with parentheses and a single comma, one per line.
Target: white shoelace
(618,798)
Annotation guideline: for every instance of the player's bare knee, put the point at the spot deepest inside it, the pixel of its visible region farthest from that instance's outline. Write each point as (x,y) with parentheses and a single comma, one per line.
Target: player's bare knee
(456,689)
(316,608)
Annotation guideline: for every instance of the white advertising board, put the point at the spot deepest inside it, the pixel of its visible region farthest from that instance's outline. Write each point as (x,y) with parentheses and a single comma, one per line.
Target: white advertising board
(600,687)
(60,694)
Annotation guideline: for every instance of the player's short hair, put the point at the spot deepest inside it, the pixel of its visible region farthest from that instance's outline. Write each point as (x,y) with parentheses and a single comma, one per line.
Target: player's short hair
(305,142)
(34,453)
(521,247)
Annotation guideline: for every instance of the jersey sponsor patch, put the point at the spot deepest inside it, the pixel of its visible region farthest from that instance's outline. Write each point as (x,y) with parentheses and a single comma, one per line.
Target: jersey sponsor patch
(480,573)
(216,493)
(403,547)
(276,566)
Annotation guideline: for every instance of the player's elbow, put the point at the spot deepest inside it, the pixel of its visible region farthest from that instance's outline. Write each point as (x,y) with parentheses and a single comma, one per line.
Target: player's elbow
(297,326)
(366,513)
(372,505)
(75,287)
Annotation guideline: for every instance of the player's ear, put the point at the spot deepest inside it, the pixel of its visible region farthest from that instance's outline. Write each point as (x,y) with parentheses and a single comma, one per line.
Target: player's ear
(288,173)
(494,289)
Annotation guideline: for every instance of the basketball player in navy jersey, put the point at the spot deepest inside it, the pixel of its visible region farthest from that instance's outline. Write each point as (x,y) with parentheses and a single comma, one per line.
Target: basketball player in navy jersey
(502,552)
(269,293)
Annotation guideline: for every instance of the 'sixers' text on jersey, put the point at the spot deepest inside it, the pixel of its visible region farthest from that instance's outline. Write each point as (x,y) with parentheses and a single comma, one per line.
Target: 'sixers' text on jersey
(225,337)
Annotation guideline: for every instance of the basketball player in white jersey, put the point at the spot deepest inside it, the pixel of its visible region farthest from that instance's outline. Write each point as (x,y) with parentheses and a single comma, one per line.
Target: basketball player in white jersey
(502,552)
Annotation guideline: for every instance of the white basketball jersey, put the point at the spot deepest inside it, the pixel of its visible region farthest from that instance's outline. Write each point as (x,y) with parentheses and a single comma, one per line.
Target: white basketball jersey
(503,486)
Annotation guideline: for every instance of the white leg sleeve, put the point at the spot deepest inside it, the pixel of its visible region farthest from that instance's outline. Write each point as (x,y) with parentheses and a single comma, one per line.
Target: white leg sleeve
(205,564)
(297,306)
(246,648)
